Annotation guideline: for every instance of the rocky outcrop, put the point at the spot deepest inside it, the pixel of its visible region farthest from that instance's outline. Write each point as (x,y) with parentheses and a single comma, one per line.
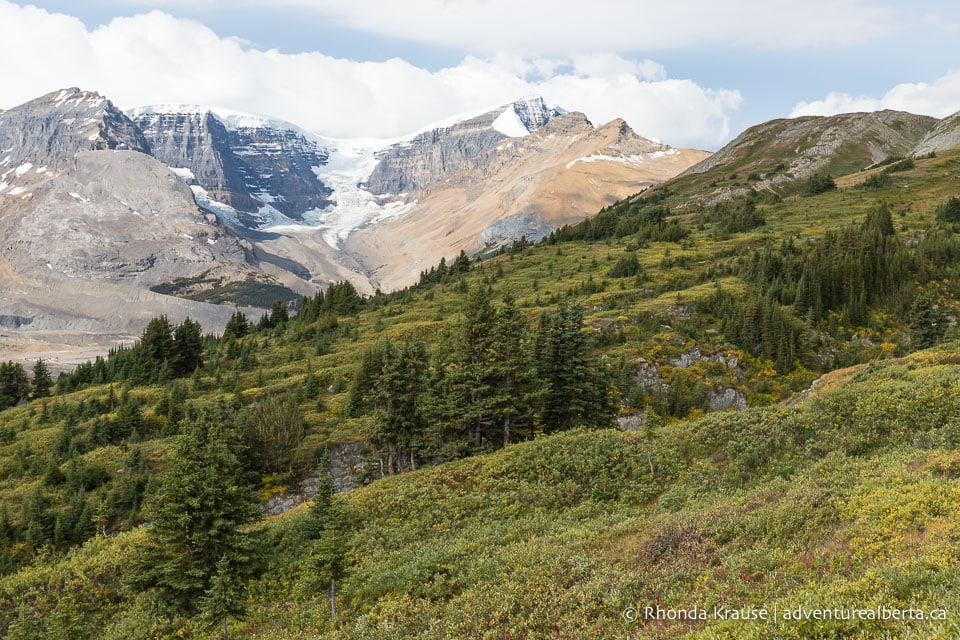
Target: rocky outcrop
(726,398)
(263,169)
(690,358)
(346,463)
(525,225)
(945,135)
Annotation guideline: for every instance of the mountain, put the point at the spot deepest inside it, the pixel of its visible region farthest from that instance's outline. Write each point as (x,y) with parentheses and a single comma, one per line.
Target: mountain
(432,156)
(779,155)
(377,212)
(89,222)
(528,185)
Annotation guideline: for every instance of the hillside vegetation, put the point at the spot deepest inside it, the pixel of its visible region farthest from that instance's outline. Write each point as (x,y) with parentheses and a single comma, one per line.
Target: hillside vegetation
(531,519)
(845,499)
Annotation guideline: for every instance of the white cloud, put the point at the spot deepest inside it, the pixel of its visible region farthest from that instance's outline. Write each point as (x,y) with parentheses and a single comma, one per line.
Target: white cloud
(558,27)
(939,99)
(156,58)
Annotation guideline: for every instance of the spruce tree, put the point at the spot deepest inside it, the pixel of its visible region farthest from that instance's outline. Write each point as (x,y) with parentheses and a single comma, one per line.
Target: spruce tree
(471,378)
(576,392)
(188,346)
(237,326)
(326,525)
(928,321)
(42,382)
(224,597)
(398,397)
(515,389)
(157,344)
(201,501)
(14,384)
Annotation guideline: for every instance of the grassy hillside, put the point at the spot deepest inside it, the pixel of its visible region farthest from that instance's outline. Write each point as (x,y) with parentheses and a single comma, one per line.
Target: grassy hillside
(842,497)
(846,498)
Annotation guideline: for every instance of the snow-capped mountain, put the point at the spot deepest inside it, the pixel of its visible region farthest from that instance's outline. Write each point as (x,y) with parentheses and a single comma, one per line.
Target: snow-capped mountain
(97,205)
(89,221)
(436,154)
(261,173)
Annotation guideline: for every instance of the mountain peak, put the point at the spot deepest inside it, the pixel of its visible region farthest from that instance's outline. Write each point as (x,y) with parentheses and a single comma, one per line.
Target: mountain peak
(48,131)
(73,96)
(535,112)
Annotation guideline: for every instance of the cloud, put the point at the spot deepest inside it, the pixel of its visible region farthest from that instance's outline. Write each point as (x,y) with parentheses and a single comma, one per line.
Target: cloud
(557,27)
(156,58)
(939,99)
(560,27)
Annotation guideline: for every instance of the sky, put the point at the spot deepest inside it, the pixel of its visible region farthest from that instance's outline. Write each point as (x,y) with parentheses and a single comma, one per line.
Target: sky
(691,73)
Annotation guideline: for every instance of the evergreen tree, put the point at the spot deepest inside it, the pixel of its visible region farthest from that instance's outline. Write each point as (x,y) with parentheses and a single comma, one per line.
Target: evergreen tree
(949,211)
(278,314)
(397,396)
(237,326)
(188,345)
(928,321)
(575,391)
(371,363)
(515,387)
(224,597)
(157,343)
(42,382)
(14,384)
(326,525)
(471,378)
(197,510)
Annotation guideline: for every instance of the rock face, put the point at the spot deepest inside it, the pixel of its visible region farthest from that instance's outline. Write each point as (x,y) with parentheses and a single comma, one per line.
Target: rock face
(944,136)
(726,398)
(523,225)
(262,169)
(45,133)
(117,216)
(435,155)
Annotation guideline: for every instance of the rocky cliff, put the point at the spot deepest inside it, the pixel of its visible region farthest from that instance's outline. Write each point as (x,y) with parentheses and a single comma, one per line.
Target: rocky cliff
(89,221)
(262,169)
